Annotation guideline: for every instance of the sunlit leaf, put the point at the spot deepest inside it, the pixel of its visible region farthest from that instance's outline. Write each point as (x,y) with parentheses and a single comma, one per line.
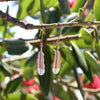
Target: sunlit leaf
(86,35)
(60,92)
(5,68)
(96,9)
(79,4)
(97,46)
(13,85)
(28,73)
(17,96)
(92,62)
(32,9)
(81,61)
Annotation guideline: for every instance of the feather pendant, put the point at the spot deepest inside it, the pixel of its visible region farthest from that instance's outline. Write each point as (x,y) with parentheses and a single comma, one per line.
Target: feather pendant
(40,63)
(56,62)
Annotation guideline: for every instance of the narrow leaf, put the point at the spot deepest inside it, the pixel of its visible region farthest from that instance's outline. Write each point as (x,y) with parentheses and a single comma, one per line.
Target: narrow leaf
(78,81)
(13,85)
(32,59)
(28,73)
(96,9)
(92,61)
(86,35)
(97,46)
(64,5)
(79,4)
(60,92)
(4,67)
(72,94)
(81,61)
(79,57)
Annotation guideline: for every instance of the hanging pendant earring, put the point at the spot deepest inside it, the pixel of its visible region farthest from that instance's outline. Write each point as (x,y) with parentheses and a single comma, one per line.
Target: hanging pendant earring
(40,59)
(57,60)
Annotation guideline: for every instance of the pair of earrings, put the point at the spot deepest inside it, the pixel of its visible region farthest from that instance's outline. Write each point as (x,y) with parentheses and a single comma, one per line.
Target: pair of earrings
(40,59)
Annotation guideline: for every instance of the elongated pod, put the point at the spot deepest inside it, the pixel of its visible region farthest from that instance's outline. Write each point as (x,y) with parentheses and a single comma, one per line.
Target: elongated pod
(56,62)
(40,63)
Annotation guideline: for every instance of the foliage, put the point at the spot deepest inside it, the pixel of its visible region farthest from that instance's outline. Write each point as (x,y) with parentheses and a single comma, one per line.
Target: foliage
(82,53)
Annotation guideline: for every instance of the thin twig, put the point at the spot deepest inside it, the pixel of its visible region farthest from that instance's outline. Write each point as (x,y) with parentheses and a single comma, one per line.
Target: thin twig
(51,40)
(75,87)
(27,26)
(13,59)
(16,69)
(65,83)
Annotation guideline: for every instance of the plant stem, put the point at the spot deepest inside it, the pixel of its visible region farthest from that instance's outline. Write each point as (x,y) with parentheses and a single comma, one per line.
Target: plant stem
(27,26)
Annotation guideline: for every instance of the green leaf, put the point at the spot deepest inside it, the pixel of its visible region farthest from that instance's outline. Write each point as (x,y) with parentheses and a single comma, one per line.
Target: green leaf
(66,53)
(86,35)
(32,59)
(92,61)
(45,79)
(79,57)
(2,50)
(72,94)
(81,61)
(43,14)
(96,34)
(78,81)
(2,77)
(13,85)
(65,69)
(16,47)
(96,9)
(97,97)
(97,46)
(79,4)
(17,96)
(28,73)
(68,18)
(4,67)
(64,5)
(90,17)
(3,28)
(81,44)
(25,6)
(60,92)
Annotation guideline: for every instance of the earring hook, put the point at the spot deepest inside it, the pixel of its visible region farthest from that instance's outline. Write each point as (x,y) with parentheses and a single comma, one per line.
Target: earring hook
(41,40)
(57,42)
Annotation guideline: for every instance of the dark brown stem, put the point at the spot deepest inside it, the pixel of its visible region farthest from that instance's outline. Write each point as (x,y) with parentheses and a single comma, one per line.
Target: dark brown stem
(27,26)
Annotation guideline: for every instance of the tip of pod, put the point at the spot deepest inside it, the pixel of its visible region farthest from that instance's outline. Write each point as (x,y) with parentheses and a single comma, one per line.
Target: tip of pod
(40,71)
(55,70)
